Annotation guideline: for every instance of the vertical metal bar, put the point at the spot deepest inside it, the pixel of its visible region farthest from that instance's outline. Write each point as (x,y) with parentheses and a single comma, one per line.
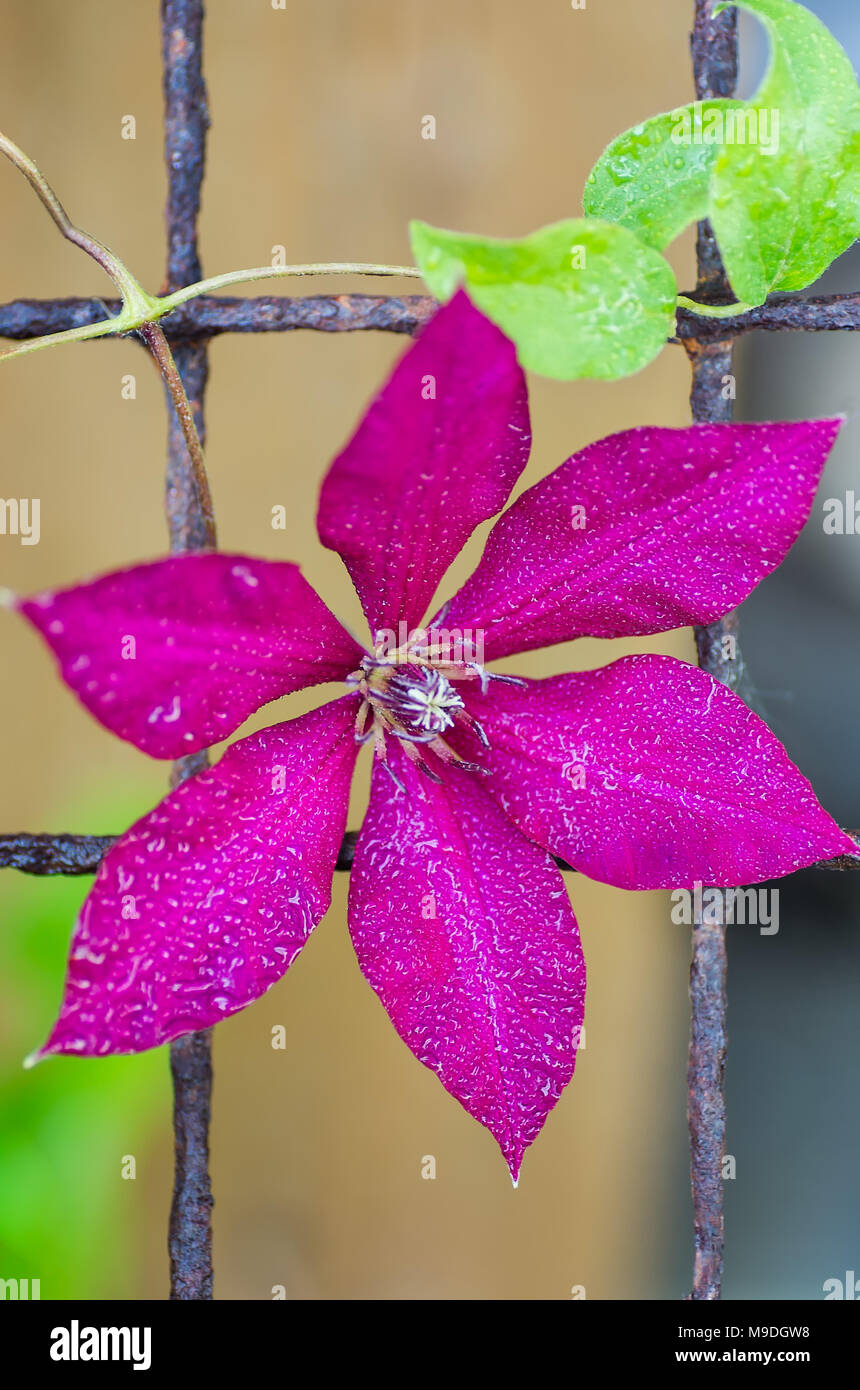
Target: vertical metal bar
(715,55)
(186,121)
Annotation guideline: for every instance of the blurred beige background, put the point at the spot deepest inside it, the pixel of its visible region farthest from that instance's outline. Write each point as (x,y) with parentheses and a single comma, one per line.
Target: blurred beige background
(315,145)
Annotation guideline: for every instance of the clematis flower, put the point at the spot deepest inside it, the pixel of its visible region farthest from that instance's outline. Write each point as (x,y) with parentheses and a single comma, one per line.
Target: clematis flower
(644,774)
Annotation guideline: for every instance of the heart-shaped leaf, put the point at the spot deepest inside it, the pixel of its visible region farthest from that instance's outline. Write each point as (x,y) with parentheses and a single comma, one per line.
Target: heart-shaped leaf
(785,202)
(655,178)
(580,298)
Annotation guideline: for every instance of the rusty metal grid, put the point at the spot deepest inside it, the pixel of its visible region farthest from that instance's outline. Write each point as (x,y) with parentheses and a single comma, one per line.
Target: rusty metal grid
(709,346)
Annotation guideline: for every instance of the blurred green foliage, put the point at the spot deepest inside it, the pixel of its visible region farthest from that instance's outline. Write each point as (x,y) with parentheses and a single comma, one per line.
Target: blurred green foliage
(67,1215)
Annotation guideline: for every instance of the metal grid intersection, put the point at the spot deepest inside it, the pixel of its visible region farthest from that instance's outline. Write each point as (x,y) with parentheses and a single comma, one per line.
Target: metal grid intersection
(709,345)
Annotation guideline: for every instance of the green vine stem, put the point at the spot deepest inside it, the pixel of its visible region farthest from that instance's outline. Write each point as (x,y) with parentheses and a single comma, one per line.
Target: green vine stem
(714,311)
(139,309)
(125,282)
(270,272)
(154,339)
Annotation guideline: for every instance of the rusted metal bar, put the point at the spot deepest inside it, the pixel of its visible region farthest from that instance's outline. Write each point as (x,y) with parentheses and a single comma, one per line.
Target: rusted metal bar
(81,854)
(706,1105)
(715,60)
(54,854)
(714,51)
(829,313)
(190,1233)
(191,528)
(212,315)
(186,120)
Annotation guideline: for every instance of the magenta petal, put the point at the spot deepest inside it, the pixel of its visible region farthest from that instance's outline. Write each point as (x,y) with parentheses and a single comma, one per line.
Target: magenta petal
(203,904)
(650,774)
(645,531)
(174,655)
(437,452)
(465,931)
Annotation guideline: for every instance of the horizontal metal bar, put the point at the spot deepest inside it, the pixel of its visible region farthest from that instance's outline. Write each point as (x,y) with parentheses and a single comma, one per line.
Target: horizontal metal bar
(825,313)
(82,854)
(210,316)
(54,854)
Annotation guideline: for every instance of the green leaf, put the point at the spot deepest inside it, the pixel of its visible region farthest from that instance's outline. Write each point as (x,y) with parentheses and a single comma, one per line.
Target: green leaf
(655,178)
(780,218)
(581,298)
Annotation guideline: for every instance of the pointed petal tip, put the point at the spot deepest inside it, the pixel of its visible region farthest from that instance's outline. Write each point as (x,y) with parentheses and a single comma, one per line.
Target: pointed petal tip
(830,424)
(466,451)
(174,655)
(541,580)
(829,847)
(824,430)
(431,972)
(34,1058)
(850,846)
(265,824)
(9,599)
(841,844)
(513,1153)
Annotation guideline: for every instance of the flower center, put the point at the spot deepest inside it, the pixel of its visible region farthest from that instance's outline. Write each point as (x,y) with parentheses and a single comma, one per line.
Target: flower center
(420,699)
(409,695)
